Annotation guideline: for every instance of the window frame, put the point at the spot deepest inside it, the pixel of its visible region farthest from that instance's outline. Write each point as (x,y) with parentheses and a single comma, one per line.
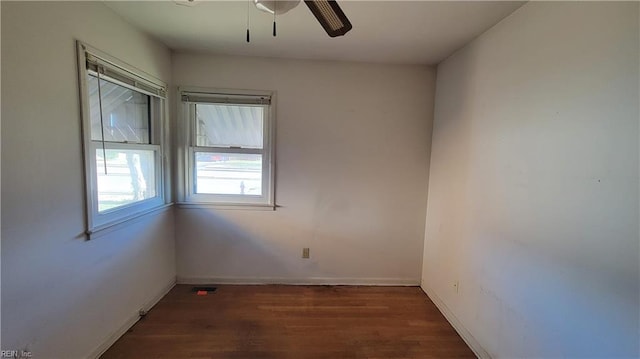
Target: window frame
(190,148)
(122,74)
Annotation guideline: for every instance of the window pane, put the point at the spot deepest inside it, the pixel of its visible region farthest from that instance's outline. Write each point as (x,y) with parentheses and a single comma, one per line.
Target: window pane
(125,113)
(229,125)
(130,177)
(225,173)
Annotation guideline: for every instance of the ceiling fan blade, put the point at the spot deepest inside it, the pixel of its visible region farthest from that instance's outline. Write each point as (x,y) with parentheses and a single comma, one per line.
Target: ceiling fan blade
(330,16)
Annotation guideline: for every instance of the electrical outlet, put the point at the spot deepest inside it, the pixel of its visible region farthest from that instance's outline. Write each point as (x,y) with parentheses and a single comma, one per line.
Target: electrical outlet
(305,252)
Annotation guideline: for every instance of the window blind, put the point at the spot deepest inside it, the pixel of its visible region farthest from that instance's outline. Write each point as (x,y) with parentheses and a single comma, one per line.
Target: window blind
(234,99)
(116,74)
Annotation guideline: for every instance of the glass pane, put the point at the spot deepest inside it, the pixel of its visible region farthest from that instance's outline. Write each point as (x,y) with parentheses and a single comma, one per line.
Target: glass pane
(130,177)
(229,125)
(125,113)
(228,173)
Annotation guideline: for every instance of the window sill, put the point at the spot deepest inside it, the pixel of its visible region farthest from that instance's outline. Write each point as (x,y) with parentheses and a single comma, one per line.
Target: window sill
(101,230)
(227,206)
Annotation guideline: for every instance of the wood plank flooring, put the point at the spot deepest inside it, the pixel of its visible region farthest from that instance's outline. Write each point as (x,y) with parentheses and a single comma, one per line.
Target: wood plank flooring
(298,322)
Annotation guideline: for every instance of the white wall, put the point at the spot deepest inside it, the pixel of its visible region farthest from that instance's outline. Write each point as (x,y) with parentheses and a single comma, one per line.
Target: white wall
(533,192)
(352,161)
(63,296)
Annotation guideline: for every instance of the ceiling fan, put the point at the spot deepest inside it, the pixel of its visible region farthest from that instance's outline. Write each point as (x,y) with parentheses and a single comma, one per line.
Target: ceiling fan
(327,12)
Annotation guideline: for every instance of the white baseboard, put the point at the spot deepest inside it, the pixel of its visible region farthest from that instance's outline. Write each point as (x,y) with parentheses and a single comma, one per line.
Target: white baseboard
(475,346)
(115,335)
(300,281)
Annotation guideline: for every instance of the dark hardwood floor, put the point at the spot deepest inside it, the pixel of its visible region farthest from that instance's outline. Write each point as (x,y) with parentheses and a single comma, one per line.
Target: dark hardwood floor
(298,322)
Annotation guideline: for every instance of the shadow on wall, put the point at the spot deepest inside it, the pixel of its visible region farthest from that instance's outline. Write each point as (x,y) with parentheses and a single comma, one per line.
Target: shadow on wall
(249,246)
(75,288)
(222,248)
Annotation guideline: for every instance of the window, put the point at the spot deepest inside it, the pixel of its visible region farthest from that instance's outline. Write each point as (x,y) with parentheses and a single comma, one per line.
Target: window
(229,158)
(122,116)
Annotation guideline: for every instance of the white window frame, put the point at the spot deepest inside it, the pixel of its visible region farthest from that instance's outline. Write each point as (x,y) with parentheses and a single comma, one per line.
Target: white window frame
(188,97)
(115,71)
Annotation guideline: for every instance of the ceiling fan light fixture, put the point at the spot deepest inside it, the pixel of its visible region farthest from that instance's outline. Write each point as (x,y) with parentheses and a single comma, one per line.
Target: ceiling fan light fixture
(330,16)
(276,6)
(185,2)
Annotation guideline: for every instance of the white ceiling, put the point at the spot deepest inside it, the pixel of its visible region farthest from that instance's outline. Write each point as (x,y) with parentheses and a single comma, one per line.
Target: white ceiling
(407,32)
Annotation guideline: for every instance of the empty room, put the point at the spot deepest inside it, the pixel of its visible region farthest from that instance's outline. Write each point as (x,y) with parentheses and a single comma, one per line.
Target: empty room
(320,179)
